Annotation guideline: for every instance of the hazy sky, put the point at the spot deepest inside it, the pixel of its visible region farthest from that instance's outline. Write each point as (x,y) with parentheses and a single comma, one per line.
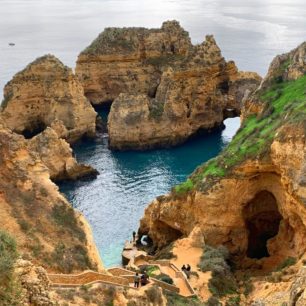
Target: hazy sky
(251,32)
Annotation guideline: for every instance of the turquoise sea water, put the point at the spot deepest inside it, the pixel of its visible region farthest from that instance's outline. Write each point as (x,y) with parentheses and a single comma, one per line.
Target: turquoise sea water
(128,181)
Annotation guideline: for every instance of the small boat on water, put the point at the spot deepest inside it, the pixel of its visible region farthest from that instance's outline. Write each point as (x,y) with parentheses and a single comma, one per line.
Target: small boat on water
(11,44)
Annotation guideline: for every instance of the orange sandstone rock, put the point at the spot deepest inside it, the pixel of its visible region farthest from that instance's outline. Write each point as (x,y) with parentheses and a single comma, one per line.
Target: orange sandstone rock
(45,92)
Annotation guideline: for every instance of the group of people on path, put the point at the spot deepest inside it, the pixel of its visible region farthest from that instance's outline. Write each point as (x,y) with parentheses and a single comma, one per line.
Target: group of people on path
(142,279)
(187,270)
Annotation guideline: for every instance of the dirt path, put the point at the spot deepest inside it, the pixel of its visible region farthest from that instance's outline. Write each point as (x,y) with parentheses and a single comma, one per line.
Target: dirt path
(179,282)
(185,254)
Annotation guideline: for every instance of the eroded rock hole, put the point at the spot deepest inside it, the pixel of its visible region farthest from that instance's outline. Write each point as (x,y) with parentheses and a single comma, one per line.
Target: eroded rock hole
(262,220)
(168,233)
(224,87)
(172,48)
(34,129)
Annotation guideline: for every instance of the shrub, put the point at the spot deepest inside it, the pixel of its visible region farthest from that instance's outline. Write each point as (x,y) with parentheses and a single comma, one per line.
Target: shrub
(6,100)
(154,295)
(173,299)
(213,301)
(67,259)
(67,294)
(156,110)
(290,261)
(36,247)
(8,256)
(184,187)
(108,294)
(9,289)
(233,301)
(24,225)
(214,259)
(166,253)
(248,287)
(222,281)
(64,216)
(151,270)
(165,278)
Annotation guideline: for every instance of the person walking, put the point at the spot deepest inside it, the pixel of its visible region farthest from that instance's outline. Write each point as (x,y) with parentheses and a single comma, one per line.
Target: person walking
(136,280)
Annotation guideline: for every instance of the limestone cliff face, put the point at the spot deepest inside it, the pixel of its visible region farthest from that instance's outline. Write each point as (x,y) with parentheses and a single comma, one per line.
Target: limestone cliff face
(57,156)
(285,67)
(251,198)
(126,60)
(194,95)
(164,89)
(224,210)
(45,92)
(47,229)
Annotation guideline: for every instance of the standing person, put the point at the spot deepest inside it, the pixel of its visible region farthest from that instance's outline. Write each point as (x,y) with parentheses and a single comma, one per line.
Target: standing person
(143,281)
(146,277)
(188,270)
(134,236)
(183,268)
(136,280)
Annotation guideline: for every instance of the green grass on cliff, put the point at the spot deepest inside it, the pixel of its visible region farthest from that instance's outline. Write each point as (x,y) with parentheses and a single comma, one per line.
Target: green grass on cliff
(285,102)
(124,39)
(9,287)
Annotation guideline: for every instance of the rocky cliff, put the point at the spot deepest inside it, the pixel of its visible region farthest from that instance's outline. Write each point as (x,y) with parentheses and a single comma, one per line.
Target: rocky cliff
(250,198)
(164,89)
(194,95)
(126,60)
(57,156)
(47,229)
(44,93)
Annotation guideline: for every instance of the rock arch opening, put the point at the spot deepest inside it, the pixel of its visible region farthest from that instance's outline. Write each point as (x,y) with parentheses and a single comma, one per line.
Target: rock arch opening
(34,129)
(224,87)
(262,220)
(168,233)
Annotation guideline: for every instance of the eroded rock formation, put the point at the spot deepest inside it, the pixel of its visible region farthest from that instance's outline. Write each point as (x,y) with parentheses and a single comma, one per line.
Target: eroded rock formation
(45,92)
(251,198)
(47,229)
(285,67)
(34,283)
(57,156)
(126,60)
(169,89)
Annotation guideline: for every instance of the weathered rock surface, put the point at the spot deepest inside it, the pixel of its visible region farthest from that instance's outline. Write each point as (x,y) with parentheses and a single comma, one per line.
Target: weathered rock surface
(252,197)
(57,155)
(187,102)
(45,92)
(285,67)
(47,229)
(164,89)
(126,60)
(298,289)
(34,283)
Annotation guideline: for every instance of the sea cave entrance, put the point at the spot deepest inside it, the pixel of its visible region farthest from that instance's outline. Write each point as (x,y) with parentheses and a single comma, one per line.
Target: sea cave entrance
(262,219)
(34,128)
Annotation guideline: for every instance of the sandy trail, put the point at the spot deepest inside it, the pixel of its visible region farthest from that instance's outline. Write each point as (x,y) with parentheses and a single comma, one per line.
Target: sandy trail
(188,254)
